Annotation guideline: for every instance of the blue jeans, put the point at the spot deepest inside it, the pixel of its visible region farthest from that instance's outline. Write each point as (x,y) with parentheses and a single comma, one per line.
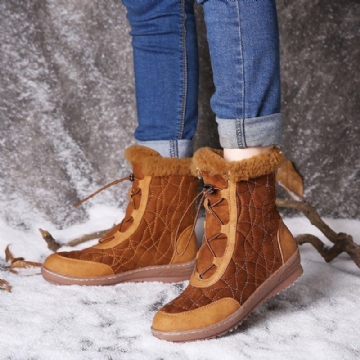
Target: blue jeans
(244,49)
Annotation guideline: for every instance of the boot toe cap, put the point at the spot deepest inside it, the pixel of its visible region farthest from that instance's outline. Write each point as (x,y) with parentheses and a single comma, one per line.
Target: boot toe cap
(61,264)
(196,319)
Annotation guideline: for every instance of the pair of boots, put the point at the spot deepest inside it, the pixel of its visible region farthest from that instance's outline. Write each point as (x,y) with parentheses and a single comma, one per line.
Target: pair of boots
(247,255)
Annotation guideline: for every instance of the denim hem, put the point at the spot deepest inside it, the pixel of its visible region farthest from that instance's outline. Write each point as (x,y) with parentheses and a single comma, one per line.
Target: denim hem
(183,70)
(170,148)
(243,133)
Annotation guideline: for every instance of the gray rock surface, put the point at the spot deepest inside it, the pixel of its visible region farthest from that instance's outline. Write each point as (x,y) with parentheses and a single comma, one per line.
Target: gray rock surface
(67,108)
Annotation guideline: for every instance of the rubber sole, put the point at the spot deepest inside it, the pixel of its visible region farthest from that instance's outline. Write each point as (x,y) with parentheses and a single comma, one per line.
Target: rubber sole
(162,273)
(277,282)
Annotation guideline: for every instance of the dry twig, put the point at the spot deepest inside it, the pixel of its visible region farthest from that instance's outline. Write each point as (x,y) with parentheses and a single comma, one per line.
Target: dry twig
(87,237)
(51,242)
(53,245)
(342,242)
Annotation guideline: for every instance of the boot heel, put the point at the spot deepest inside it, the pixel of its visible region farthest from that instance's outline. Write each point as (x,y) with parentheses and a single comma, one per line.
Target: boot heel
(287,275)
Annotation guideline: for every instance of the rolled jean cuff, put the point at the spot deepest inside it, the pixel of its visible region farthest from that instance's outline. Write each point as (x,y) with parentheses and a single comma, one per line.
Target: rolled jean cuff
(170,148)
(243,133)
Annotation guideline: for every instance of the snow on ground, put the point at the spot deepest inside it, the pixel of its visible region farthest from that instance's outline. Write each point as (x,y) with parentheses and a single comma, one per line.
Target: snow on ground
(317,318)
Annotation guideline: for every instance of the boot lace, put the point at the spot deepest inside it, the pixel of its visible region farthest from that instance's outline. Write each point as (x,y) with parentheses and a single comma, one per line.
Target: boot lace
(132,193)
(204,200)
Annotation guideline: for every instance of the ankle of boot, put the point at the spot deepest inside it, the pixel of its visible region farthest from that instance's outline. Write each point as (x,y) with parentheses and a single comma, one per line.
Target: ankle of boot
(213,162)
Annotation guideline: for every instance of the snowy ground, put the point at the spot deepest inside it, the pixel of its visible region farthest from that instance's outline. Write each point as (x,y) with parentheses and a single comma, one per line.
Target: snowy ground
(318,318)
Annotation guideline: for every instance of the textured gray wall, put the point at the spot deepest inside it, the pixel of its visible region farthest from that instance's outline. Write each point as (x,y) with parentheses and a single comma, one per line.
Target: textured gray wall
(67,106)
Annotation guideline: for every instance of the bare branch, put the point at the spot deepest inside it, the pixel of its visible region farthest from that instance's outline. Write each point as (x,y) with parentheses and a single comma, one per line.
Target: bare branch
(326,252)
(87,237)
(51,242)
(53,245)
(311,213)
(342,242)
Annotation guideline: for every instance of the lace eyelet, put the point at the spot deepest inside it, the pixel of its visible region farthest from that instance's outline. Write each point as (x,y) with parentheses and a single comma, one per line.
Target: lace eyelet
(209,188)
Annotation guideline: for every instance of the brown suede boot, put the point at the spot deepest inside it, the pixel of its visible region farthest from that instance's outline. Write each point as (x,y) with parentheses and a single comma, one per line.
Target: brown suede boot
(248,254)
(148,245)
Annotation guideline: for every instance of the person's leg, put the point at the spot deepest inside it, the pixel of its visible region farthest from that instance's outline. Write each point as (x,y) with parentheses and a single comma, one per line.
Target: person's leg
(246,67)
(155,241)
(166,73)
(248,255)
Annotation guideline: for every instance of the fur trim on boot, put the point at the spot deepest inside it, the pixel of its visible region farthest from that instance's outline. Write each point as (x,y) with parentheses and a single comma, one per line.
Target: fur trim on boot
(212,161)
(153,164)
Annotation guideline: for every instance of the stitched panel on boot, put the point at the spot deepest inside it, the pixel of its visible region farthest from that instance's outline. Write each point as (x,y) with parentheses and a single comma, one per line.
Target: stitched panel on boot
(153,241)
(256,255)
